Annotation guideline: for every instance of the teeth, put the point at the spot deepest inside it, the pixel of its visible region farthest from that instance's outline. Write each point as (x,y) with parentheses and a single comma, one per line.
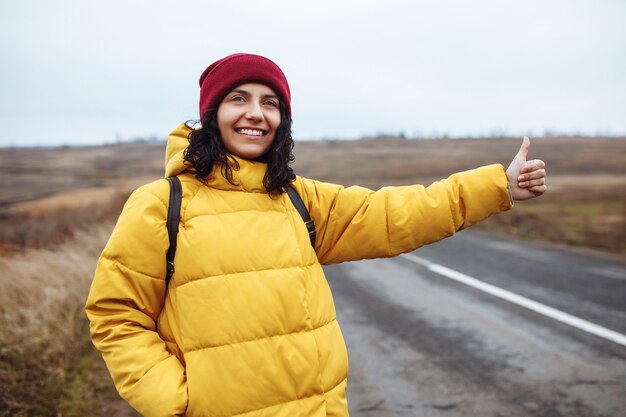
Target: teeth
(251,132)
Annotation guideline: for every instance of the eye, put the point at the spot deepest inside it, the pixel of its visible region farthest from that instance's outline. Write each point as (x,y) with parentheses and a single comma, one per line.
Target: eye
(271,103)
(237,98)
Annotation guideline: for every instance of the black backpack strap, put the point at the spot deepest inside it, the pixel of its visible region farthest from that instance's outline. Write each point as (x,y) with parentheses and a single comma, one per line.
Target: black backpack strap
(173,219)
(304,213)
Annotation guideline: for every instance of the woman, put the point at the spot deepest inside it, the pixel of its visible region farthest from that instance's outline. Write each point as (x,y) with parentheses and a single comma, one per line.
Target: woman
(247,324)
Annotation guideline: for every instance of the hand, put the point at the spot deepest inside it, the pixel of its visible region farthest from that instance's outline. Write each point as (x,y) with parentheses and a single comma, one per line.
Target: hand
(526,178)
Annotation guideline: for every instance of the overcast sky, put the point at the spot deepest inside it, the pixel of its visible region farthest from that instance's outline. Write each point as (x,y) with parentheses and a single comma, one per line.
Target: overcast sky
(77,71)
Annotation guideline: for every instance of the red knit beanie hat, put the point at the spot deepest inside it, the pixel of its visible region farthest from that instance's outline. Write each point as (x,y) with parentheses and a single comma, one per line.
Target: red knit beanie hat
(222,76)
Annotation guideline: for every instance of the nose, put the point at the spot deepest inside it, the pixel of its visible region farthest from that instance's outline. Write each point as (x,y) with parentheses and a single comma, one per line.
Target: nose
(254,112)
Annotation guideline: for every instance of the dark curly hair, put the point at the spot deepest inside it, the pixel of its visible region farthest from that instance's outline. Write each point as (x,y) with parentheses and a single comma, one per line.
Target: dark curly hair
(206,149)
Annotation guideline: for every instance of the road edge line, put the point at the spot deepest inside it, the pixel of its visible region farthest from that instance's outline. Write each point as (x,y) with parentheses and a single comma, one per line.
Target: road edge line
(519,300)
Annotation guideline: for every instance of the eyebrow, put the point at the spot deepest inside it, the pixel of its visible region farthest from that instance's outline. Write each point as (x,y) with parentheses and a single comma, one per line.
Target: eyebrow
(238,90)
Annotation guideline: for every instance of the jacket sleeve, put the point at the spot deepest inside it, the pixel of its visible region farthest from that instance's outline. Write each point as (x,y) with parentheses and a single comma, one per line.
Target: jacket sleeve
(356,223)
(123,305)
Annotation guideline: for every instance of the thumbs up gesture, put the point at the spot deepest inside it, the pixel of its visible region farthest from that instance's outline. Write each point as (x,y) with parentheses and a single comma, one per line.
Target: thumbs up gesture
(526,178)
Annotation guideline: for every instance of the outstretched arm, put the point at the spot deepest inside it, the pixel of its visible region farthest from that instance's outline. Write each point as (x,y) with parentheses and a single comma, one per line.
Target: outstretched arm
(357,223)
(526,178)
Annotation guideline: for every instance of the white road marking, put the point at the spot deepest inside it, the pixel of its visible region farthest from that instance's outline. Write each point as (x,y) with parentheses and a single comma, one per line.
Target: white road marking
(521,301)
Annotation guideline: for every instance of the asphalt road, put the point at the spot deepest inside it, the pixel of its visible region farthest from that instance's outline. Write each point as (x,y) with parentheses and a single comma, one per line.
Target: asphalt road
(421,344)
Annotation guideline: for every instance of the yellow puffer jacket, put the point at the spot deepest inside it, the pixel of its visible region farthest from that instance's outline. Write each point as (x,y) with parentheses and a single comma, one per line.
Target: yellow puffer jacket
(247,327)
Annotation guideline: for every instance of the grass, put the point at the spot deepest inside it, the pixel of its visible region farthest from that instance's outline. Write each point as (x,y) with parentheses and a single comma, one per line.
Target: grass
(591,215)
(29,174)
(47,364)
(52,226)
(564,225)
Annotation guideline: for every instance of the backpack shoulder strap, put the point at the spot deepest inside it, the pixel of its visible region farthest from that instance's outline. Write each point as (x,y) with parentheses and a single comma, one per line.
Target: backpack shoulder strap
(173,220)
(304,213)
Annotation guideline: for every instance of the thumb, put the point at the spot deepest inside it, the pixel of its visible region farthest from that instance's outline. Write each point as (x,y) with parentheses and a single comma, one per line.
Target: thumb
(523,150)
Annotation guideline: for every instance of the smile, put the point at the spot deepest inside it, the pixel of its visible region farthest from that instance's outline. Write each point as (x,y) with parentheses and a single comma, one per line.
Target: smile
(251,132)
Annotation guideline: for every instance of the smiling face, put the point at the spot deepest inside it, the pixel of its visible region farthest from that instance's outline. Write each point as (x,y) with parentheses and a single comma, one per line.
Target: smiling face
(248,118)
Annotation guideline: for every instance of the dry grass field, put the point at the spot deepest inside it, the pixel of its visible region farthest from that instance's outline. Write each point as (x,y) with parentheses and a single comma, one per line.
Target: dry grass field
(58,206)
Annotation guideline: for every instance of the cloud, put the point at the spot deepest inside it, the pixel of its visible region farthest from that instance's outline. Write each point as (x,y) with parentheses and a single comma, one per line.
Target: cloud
(78,71)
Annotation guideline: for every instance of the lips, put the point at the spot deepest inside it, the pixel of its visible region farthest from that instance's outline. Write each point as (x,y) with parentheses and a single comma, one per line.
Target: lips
(251,132)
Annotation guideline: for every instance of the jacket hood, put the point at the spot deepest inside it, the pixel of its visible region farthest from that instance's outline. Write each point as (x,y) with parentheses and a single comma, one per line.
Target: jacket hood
(249,176)
(177,142)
